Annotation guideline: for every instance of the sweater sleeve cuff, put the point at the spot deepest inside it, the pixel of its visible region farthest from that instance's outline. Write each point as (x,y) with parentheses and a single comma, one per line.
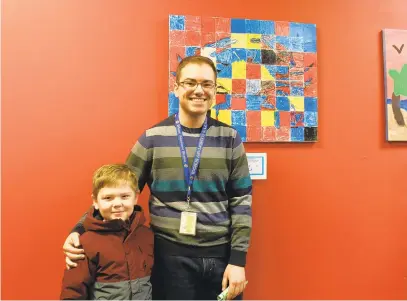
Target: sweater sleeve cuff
(237,258)
(78,228)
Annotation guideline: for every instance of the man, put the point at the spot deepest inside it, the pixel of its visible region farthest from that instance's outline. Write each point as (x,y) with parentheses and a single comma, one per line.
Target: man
(200,202)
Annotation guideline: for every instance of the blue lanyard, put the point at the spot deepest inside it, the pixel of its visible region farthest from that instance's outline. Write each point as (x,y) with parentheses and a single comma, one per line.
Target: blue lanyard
(190,175)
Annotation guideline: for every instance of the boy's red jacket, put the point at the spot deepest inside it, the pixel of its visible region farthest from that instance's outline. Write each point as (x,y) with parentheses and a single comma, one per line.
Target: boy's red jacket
(118,263)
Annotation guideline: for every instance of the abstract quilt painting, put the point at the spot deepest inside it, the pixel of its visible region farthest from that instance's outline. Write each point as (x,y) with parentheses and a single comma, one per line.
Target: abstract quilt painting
(395,82)
(267,74)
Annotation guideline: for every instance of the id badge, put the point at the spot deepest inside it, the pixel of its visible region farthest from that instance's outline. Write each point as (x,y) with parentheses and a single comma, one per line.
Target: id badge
(188,223)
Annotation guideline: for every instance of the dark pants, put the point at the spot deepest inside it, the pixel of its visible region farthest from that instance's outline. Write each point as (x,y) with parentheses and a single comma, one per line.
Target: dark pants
(181,278)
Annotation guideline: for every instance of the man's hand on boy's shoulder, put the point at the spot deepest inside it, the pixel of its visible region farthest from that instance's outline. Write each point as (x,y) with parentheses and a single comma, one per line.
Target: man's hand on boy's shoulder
(72,251)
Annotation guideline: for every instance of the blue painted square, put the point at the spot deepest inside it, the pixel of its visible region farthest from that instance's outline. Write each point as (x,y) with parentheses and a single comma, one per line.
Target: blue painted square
(253,102)
(310,32)
(296,91)
(297,134)
(296,44)
(310,38)
(296,29)
(283,103)
(191,51)
(277,119)
(225,57)
(242,131)
(238,25)
(252,26)
(310,46)
(224,71)
(283,72)
(272,69)
(266,27)
(239,54)
(298,117)
(253,86)
(254,55)
(223,43)
(173,103)
(310,104)
(239,117)
(310,118)
(283,41)
(224,105)
(177,22)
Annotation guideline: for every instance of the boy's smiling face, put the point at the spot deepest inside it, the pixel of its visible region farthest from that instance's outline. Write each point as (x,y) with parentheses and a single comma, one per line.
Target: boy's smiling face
(116,202)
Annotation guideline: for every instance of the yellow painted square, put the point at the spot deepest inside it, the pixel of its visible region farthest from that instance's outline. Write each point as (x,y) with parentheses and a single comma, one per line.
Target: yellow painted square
(213,112)
(296,103)
(253,41)
(239,40)
(267,118)
(224,85)
(225,116)
(265,74)
(239,70)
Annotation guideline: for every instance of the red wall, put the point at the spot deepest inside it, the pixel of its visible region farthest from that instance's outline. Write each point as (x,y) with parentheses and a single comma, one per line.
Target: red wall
(82,79)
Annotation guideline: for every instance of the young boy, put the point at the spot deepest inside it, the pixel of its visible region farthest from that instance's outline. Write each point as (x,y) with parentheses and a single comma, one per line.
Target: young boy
(118,247)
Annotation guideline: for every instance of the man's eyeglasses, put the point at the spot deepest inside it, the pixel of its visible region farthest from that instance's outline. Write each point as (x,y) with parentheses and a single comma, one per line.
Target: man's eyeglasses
(192,85)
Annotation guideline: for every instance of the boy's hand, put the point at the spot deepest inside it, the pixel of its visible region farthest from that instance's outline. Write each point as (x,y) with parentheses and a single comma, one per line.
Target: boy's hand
(234,276)
(72,251)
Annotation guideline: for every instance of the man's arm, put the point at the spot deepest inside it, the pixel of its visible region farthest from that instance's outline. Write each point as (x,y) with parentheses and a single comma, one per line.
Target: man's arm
(140,159)
(79,225)
(76,282)
(239,192)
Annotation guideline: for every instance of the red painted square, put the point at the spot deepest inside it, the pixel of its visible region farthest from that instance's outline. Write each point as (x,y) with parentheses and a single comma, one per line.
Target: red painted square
(310,90)
(253,133)
(207,38)
(268,133)
(176,54)
(253,71)
(268,88)
(177,38)
(193,23)
(283,134)
(208,24)
(253,118)
(298,58)
(193,38)
(282,28)
(284,90)
(297,74)
(222,25)
(270,103)
(285,118)
(310,60)
(220,98)
(238,103)
(310,75)
(238,86)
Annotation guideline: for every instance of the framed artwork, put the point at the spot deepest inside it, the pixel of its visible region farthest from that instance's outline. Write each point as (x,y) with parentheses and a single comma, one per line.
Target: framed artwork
(267,74)
(395,83)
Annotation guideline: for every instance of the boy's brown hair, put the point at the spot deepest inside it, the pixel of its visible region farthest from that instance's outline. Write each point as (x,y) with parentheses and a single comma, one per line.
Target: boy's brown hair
(113,175)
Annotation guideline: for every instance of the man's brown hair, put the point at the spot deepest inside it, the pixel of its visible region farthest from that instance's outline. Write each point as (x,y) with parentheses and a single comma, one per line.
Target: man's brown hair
(196,59)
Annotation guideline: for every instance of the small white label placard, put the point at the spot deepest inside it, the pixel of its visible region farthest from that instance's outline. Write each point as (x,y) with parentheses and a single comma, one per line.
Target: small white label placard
(257,165)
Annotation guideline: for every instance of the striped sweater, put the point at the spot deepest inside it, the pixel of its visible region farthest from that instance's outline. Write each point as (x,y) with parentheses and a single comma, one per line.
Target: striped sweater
(221,191)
